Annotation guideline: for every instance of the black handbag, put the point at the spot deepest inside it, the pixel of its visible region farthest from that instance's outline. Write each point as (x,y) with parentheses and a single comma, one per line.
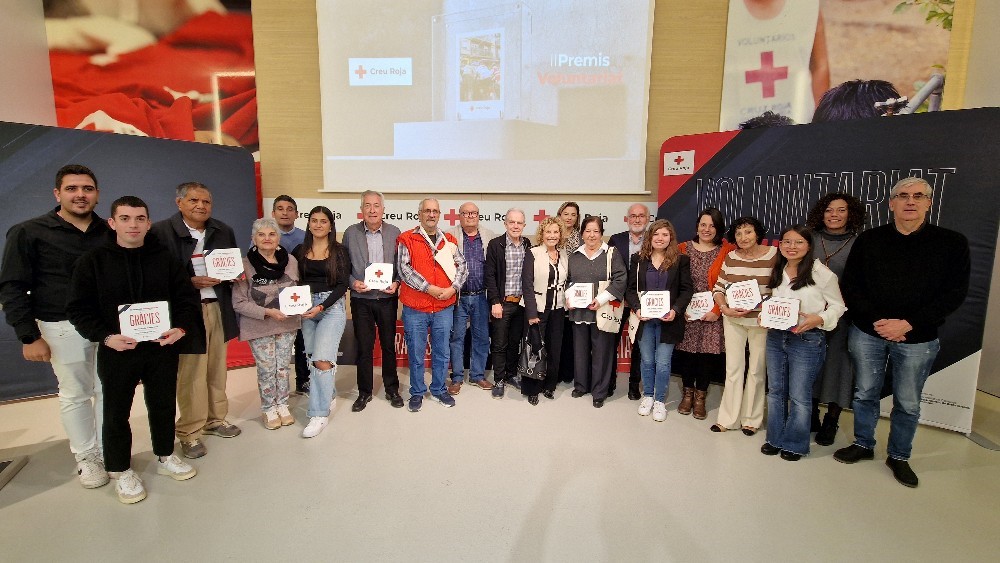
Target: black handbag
(533,360)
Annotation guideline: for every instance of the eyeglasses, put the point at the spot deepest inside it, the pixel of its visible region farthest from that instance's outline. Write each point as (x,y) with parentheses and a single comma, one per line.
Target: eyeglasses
(637,217)
(793,243)
(470,213)
(431,211)
(919,196)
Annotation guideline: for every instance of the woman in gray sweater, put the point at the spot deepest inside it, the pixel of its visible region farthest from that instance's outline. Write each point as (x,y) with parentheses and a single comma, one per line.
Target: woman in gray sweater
(598,265)
(267,270)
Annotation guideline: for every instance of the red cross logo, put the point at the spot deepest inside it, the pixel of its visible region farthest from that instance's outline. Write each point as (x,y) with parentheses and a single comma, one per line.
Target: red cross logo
(359,215)
(295,297)
(378,273)
(767,74)
(361,72)
(678,160)
(540,216)
(452,217)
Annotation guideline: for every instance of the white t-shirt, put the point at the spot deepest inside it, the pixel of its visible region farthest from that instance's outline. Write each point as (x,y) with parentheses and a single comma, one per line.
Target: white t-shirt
(198,260)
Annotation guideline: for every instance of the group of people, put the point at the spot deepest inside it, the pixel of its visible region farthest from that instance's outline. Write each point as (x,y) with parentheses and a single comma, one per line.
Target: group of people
(70,280)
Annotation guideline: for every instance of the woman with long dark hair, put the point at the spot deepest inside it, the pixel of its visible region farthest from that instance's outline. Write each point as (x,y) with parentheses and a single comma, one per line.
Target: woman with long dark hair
(700,357)
(658,266)
(835,220)
(569,215)
(795,356)
(325,267)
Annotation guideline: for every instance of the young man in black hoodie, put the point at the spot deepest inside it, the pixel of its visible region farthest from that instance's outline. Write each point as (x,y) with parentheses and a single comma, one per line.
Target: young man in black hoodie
(128,270)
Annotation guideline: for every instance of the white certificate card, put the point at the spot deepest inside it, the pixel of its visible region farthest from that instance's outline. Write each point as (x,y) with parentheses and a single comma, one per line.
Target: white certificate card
(743,295)
(144,321)
(701,303)
(224,263)
(295,300)
(781,313)
(580,295)
(378,275)
(654,304)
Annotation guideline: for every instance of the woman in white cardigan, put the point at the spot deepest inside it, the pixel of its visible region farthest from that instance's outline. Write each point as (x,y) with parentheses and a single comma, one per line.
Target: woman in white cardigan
(544,276)
(795,356)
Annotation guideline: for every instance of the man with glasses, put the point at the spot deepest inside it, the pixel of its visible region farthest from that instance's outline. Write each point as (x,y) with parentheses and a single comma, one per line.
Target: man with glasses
(504,264)
(626,244)
(900,283)
(432,270)
(472,309)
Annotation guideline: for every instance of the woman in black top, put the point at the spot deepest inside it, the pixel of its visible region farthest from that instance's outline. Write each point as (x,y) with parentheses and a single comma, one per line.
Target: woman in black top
(325,267)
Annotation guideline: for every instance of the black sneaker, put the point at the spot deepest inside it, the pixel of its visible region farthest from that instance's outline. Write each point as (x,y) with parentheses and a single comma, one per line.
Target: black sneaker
(902,472)
(577,393)
(827,431)
(853,454)
(498,389)
(550,395)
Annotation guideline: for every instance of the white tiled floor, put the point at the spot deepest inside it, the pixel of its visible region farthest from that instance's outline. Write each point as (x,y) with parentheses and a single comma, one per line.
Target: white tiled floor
(498,481)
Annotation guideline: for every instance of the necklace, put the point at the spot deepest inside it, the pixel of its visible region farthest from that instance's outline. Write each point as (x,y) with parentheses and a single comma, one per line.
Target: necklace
(827,255)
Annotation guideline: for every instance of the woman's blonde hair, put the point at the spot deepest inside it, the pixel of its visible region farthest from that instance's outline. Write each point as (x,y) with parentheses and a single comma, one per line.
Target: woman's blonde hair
(544,224)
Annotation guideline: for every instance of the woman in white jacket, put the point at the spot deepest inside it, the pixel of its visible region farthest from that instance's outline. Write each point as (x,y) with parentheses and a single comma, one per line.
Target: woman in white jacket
(795,356)
(544,281)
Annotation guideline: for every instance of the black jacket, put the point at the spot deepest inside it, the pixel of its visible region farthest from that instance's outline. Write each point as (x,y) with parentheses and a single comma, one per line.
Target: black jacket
(39,258)
(495,268)
(174,235)
(680,286)
(110,275)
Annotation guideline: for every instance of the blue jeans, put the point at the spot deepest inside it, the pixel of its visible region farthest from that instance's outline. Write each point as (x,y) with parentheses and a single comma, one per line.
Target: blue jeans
(655,357)
(911,365)
(321,335)
(793,363)
(415,327)
(474,310)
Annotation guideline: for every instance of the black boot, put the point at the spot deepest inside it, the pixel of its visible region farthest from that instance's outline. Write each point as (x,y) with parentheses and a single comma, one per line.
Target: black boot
(814,424)
(828,430)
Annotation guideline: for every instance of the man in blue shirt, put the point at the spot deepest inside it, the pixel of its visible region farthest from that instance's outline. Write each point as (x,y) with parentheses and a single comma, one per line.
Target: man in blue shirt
(285,211)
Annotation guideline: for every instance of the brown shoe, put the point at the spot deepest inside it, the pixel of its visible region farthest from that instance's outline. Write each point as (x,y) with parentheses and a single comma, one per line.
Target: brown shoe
(454,388)
(699,404)
(685,406)
(484,384)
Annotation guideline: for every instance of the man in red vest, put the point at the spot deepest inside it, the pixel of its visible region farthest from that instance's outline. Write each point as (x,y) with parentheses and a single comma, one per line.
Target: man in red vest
(432,270)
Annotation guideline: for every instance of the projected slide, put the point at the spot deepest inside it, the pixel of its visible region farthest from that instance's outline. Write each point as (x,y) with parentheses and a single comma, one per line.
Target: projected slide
(437,96)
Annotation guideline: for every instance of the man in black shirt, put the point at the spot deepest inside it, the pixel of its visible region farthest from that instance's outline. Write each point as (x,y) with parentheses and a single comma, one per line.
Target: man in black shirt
(37,264)
(900,282)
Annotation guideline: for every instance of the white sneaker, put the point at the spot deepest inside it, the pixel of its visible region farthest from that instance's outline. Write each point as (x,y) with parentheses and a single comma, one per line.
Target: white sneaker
(659,411)
(645,406)
(175,468)
(129,487)
(285,416)
(91,471)
(271,420)
(315,426)
(333,403)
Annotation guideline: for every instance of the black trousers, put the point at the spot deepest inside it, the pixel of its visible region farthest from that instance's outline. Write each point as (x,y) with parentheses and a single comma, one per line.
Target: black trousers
(367,315)
(551,324)
(120,372)
(593,357)
(566,364)
(699,370)
(505,342)
(301,364)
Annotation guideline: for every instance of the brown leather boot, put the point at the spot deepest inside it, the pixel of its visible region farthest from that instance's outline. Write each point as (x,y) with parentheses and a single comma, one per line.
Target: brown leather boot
(699,405)
(685,406)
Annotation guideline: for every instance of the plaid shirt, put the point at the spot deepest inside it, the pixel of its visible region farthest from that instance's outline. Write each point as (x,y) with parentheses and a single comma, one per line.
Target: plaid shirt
(514,256)
(475,260)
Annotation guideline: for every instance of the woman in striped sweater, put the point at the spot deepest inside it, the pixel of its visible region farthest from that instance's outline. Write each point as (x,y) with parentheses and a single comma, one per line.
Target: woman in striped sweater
(743,406)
